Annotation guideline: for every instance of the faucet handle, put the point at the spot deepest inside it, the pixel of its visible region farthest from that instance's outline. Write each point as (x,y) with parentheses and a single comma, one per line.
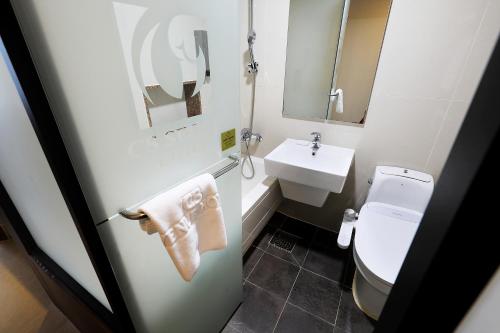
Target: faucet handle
(317,136)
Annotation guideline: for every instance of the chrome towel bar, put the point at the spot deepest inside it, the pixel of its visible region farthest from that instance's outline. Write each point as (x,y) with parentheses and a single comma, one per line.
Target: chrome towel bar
(140,216)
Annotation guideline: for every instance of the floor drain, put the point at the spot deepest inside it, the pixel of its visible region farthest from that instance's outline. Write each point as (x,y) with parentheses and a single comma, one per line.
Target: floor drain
(283,241)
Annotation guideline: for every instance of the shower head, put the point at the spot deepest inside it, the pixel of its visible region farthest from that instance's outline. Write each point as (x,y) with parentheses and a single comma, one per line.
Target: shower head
(253,65)
(251,37)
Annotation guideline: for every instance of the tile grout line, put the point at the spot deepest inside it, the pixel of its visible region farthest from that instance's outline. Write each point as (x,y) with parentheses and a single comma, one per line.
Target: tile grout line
(340,284)
(310,313)
(315,316)
(293,257)
(324,277)
(264,289)
(305,257)
(338,308)
(288,297)
(256,285)
(253,268)
(286,301)
(452,98)
(297,306)
(290,293)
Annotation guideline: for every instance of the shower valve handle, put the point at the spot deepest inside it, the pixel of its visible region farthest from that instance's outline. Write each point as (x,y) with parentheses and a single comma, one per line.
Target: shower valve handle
(253,67)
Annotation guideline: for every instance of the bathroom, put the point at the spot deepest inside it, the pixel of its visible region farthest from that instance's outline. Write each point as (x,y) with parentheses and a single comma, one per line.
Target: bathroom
(294,119)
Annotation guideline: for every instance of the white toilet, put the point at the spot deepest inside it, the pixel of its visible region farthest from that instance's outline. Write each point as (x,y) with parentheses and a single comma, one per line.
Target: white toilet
(385,229)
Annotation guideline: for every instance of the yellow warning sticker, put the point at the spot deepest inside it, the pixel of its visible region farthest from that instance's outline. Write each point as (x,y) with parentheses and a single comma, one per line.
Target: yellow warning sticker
(228,139)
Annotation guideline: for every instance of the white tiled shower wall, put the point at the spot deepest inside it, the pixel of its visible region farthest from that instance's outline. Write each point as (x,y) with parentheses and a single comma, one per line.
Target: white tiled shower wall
(432,59)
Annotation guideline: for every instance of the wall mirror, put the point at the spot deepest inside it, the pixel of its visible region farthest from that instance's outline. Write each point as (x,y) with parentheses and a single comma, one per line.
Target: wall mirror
(167,60)
(331,60)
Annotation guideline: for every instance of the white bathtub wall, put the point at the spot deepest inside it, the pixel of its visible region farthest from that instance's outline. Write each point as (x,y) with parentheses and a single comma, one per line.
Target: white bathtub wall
(261,196)
(432,59)
(257,217)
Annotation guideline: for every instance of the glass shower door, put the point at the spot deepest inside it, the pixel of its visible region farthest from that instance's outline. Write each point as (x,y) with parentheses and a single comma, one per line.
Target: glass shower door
(146,96)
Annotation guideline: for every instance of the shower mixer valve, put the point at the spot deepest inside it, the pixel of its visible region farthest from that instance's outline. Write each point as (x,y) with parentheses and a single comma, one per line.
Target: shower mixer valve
(247,135)
(253,67)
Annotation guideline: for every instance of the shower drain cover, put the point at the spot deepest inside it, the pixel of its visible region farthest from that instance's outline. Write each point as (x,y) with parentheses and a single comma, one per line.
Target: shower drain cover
(283,241)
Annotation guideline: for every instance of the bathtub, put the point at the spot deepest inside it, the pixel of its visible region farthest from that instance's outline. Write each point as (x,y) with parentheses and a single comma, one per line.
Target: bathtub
(261,196)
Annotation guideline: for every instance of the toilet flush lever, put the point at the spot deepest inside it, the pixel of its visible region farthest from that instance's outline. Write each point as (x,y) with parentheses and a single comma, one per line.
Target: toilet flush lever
(347,227)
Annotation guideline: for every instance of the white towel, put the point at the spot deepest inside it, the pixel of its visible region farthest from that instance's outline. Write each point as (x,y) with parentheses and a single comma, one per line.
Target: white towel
(189,220)
(337,95)
(340,101)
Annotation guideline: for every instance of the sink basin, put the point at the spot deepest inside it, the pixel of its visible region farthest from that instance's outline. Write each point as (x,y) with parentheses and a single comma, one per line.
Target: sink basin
(307,178)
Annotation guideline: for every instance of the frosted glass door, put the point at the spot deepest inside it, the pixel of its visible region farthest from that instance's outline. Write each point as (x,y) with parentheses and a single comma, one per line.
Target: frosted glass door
(142,91)
(158,299)
(92,55)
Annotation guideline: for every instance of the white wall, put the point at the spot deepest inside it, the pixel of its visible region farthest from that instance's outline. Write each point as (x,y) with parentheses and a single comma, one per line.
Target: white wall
(431,62)
(483,317)
(26,175)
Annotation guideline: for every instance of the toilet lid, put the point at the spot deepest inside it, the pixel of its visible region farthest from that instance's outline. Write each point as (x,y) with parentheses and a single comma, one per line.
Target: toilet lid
(383,236)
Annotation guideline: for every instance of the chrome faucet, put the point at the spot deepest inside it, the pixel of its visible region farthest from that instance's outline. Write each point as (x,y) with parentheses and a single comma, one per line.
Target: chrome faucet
(247,134)
(315,142)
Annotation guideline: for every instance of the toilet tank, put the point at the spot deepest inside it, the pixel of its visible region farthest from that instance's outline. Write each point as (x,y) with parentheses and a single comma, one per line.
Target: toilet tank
(401,187)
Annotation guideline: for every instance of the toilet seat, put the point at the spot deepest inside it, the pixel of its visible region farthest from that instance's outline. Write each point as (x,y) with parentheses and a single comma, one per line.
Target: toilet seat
(383,236)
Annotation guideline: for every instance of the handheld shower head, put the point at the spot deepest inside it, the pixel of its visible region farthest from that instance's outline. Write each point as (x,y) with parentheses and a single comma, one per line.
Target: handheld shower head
(251,37)
(253,65)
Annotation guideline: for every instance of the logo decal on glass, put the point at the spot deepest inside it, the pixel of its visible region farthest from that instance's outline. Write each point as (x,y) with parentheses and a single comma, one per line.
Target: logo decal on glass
(167,62)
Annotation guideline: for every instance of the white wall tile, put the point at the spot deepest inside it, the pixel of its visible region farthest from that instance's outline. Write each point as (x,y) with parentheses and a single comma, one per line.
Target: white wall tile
(486,35)
(446,137)
(426,46)
(403,132)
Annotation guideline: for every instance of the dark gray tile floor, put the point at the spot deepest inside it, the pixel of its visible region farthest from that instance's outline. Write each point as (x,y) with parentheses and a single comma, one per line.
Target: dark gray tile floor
(306,289)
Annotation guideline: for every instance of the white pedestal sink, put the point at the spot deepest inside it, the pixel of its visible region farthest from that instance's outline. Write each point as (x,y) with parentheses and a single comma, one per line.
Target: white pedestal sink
(307,178)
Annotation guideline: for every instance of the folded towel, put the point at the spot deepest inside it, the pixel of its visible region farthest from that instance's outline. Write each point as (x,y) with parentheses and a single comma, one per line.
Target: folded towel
(340,101)
(189,220)
(337,95)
